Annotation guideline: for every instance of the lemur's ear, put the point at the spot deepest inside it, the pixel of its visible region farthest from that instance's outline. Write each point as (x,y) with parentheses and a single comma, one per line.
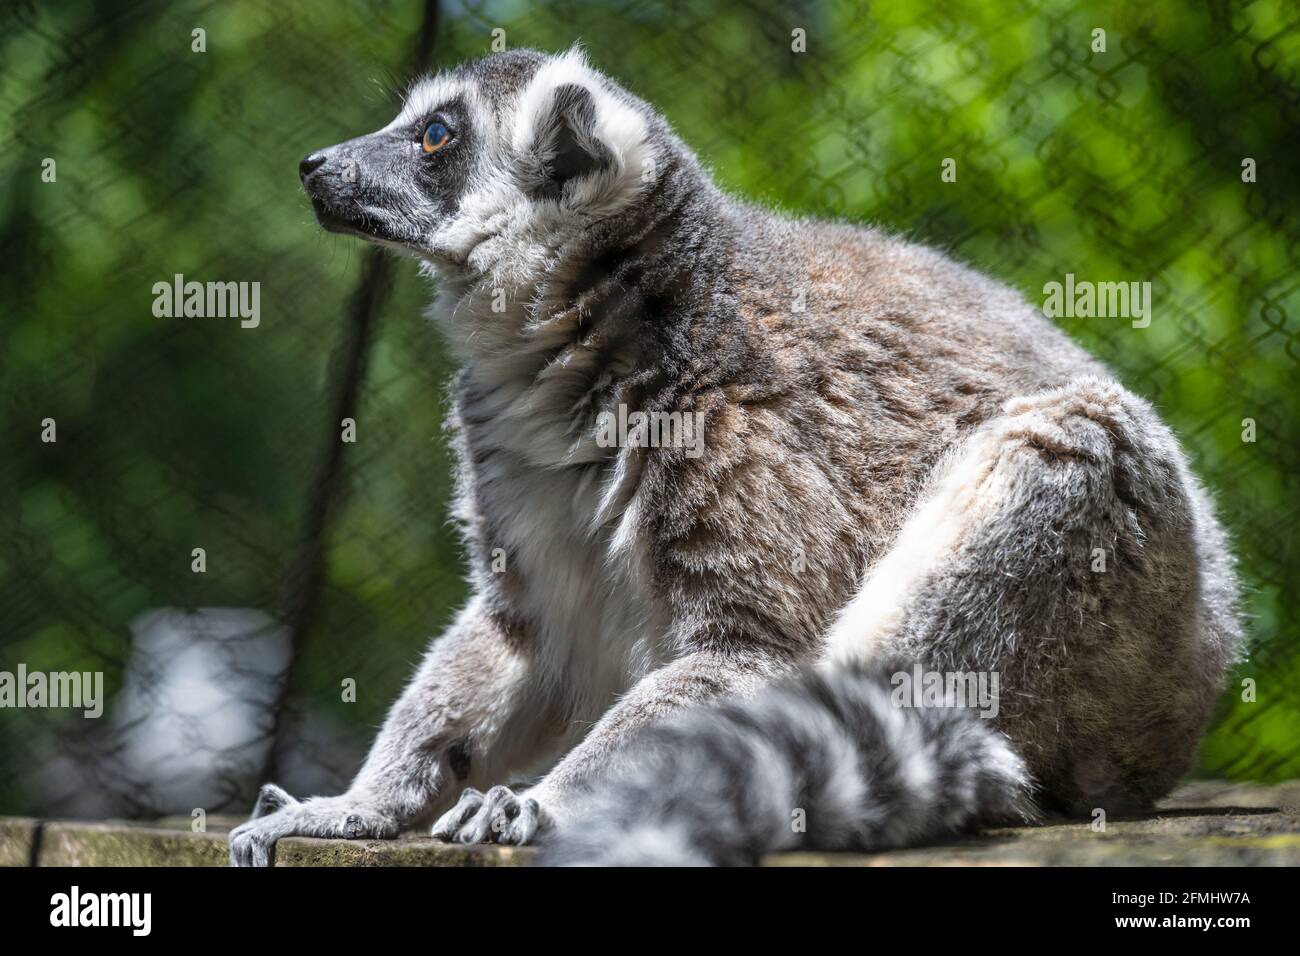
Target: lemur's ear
(573,127)
(567,144)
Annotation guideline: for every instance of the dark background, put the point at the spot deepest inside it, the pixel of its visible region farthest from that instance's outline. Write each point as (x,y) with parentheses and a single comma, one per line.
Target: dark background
(179,433)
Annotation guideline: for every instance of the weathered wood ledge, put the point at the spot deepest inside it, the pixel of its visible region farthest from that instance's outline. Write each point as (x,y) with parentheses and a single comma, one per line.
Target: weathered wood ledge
(1203,823)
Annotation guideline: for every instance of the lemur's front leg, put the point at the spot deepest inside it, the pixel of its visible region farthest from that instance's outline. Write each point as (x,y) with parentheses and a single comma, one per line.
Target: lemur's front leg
(502,816)
(468,714)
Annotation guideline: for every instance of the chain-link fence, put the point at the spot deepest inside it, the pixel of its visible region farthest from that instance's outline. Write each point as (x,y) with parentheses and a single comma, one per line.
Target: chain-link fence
(179,508)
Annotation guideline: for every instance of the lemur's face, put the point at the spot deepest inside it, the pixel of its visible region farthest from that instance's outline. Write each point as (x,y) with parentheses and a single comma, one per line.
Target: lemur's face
(492,166)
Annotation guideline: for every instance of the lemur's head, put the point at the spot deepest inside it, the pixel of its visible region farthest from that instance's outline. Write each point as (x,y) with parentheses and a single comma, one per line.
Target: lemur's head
(495,164)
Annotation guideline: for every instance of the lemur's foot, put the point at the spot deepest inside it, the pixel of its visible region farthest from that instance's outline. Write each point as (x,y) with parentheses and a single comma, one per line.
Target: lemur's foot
(498,816)
(277,815)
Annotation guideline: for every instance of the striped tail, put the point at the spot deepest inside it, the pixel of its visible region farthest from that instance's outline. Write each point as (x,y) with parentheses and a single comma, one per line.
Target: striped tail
(825,762)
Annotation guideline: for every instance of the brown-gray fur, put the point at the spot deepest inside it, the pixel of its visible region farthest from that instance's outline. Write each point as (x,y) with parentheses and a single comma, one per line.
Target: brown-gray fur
(584,260)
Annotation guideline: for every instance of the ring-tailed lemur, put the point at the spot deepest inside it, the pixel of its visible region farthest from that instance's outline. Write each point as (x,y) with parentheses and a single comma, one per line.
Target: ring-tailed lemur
(901,461)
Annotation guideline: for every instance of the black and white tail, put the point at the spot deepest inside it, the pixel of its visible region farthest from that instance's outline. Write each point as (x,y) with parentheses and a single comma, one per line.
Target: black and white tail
(825,762)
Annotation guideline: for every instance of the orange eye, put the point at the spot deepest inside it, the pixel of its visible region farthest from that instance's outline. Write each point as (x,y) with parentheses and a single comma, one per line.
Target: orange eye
(436,137)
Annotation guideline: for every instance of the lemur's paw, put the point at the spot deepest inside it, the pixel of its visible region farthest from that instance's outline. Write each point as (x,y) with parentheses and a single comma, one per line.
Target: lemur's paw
(498,816)
(271,799)
(277,815)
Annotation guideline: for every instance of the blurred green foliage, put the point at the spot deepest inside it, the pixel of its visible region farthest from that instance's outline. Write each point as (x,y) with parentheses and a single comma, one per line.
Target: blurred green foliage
(180,433)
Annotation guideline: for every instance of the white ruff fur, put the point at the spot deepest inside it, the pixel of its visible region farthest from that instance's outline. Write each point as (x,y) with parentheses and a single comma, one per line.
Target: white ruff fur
(571,534)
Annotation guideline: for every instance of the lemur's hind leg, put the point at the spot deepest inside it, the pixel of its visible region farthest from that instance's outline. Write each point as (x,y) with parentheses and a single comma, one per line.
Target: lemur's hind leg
(1057,549)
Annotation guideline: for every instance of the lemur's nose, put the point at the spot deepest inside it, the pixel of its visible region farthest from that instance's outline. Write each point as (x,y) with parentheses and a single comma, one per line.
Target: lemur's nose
(310,164)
